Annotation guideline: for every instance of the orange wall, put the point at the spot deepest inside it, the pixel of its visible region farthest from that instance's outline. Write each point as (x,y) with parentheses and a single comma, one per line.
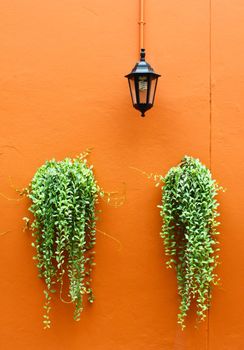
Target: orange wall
(62,90)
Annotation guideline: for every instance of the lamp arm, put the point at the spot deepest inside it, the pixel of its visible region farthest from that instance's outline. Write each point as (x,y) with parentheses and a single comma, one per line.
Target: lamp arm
(141,24)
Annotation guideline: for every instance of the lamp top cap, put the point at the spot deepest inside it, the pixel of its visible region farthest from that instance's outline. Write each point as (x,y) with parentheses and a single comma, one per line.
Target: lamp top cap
(142,67)
(142,54)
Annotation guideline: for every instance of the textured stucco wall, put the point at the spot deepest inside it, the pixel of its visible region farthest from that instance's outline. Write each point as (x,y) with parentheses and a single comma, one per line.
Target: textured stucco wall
(62,90)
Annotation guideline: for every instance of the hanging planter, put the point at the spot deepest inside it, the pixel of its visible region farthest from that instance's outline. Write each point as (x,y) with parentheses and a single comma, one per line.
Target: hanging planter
(64,196)
(189,212)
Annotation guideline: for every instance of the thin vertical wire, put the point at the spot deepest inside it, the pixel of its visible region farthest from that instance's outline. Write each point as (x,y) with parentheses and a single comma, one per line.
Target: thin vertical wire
(210,84)
(210,130)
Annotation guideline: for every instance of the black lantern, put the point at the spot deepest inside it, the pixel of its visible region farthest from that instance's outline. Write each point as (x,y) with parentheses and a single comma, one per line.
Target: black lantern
(143,83)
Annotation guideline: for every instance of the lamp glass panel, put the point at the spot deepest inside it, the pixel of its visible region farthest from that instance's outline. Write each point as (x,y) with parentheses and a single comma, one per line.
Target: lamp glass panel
(132,90)
(152,90)
(143,83)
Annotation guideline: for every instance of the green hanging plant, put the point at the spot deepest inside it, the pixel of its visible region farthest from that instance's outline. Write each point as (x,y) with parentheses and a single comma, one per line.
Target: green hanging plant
(64,196)
(189,212)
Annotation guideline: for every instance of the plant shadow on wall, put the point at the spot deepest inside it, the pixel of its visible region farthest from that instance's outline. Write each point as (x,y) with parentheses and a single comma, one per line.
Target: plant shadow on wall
(64,195)
(189,232)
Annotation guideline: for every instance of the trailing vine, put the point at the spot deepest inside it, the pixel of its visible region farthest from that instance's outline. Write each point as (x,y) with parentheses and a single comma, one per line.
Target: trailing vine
(64,196)
(189,212)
